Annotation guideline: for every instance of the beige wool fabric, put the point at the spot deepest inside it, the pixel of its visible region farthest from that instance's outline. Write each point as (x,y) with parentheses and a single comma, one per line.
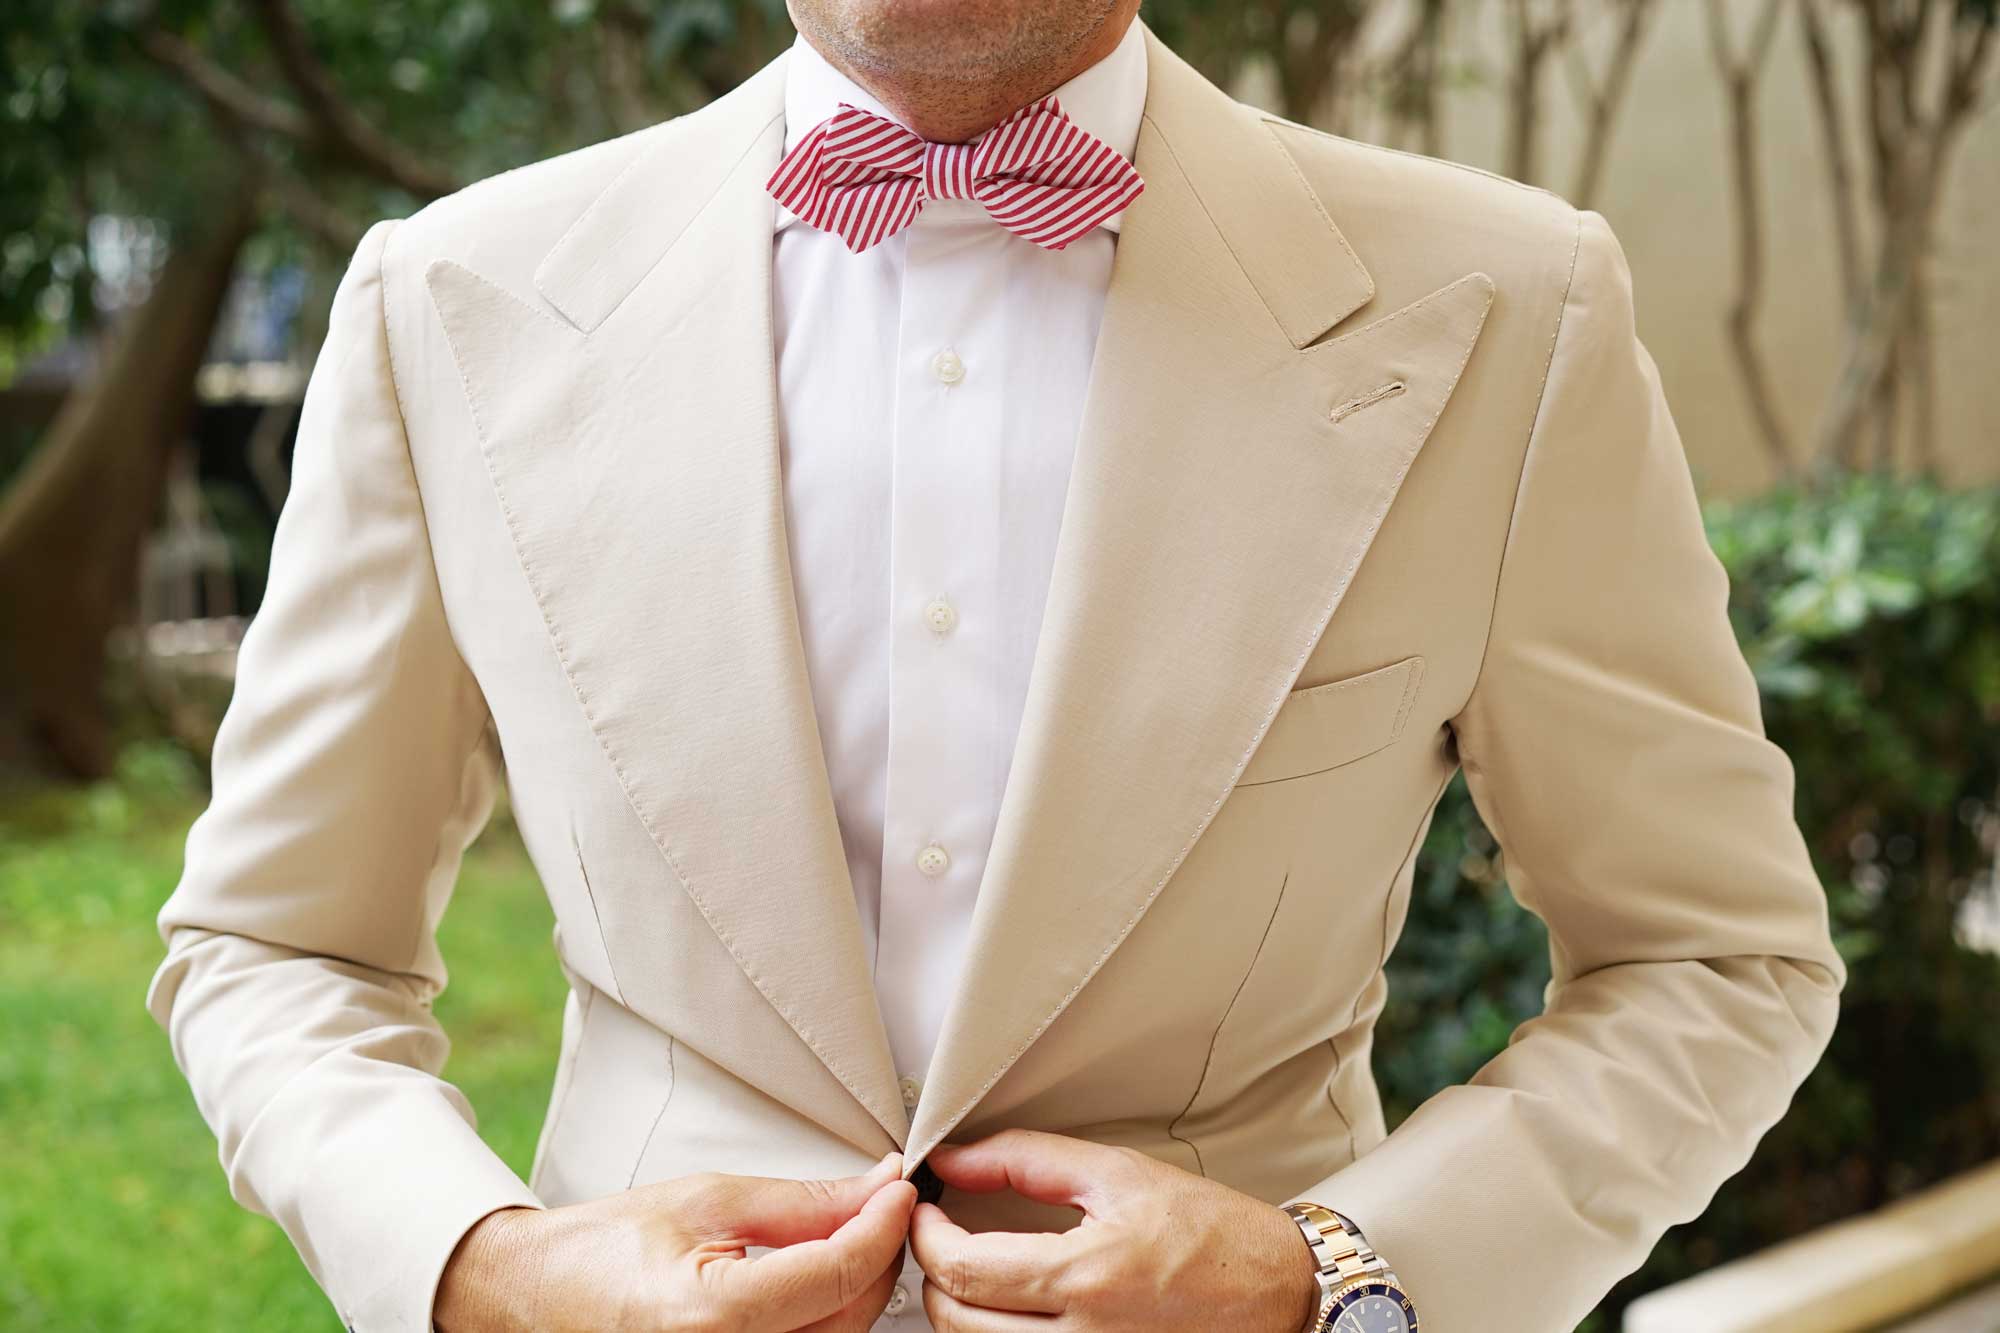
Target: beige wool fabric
(1374,481)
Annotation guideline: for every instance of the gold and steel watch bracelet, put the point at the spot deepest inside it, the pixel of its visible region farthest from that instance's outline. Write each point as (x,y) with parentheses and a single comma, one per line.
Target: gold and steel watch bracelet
(1338,1247)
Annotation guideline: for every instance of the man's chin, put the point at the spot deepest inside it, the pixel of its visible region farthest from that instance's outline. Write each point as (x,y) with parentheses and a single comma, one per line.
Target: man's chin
(981,41)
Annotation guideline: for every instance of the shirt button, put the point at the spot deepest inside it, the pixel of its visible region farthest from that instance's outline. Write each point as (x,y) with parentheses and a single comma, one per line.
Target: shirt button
(941,616)
(899,1300)
(932,860)
(913,1088)
(947,367)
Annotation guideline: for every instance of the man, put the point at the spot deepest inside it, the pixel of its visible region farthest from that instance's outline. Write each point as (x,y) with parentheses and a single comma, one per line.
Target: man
(976,555)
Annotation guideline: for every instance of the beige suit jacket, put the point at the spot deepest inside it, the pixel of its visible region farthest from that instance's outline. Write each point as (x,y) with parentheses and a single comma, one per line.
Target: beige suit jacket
(1374,482)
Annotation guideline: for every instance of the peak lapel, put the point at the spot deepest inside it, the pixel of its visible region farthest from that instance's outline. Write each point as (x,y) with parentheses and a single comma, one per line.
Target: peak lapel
(1216,514)
(633,445)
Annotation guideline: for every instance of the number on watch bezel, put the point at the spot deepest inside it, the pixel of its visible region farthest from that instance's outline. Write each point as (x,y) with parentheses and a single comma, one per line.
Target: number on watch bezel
(1361,1289)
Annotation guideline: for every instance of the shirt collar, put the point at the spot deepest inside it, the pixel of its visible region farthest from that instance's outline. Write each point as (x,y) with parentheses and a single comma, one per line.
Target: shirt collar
(1106,98)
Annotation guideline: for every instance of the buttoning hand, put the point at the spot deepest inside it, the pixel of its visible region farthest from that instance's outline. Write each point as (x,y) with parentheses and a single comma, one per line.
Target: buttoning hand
(1157,1247)
(671,1256)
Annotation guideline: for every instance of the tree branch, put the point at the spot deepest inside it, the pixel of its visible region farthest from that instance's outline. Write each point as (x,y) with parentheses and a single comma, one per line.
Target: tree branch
(1910,155)
(1601,101)
(1412,71)
(1833,134)
(622,64)
(242,117)
(1533,43)
(225,94)
(1739,77)
(347,132)
(1964,84)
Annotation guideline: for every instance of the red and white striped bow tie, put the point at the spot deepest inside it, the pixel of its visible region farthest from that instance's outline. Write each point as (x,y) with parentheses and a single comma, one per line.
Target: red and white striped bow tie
(1040,174)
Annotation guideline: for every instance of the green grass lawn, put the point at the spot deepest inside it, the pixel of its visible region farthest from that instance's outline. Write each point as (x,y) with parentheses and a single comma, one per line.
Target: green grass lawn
(113,1209)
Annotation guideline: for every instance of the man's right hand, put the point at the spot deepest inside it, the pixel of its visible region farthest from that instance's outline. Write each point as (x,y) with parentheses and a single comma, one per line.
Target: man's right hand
(671,1257)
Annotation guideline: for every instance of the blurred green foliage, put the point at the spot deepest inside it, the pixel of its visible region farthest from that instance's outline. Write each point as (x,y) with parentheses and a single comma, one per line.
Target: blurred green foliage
(1870,612)
(1872,616)
(146,109)
(114,1214)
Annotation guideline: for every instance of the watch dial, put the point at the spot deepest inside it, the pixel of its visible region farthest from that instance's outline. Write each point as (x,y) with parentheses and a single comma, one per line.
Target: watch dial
(1374,1307)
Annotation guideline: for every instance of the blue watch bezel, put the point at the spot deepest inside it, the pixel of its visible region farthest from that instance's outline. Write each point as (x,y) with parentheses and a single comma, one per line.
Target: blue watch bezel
(1363,1287)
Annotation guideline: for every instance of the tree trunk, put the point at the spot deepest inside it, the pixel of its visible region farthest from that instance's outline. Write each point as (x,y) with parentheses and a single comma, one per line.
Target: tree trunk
(1535,40)
(1740,75)
(1876,332)
(1839,167)
(1602,102)
(72,525)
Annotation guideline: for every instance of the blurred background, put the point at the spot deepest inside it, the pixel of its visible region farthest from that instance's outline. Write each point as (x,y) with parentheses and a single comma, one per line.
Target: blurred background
(1806,191)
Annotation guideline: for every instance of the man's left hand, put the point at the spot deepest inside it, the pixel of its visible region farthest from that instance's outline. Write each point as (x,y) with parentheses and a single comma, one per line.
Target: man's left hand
(1157,1247)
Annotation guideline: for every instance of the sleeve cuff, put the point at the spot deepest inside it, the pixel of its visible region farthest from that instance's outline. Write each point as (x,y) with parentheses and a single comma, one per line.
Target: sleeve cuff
(382,1196)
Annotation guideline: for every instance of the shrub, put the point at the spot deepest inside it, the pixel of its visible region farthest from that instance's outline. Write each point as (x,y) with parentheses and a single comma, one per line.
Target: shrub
(1870,612)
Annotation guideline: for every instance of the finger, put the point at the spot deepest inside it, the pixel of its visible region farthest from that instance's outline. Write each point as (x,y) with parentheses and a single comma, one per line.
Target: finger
(861,1313)
(996,1270)
(1048,1168)
(768,1210)
(948,1314)
(789,1288)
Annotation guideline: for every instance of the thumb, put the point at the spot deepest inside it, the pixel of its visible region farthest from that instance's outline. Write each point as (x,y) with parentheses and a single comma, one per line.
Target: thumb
(801,1284)
(774,1211)
(1048,1168)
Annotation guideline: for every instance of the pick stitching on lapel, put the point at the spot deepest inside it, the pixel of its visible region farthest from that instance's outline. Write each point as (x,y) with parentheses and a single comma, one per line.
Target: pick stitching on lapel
(1208,429)
(634,452)
(643,213)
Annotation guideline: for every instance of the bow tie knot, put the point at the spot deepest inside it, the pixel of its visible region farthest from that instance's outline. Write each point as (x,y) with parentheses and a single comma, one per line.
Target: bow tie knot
(1038,173)
(948,169)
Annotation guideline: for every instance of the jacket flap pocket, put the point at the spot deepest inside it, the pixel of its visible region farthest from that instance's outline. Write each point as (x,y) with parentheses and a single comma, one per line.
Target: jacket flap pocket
(1325,726)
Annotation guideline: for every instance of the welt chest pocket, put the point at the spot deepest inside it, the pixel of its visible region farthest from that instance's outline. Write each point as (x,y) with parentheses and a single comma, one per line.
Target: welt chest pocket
(1325,726)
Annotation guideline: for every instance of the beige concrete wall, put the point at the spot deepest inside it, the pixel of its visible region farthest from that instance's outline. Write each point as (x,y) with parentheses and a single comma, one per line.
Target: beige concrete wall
(1666,193)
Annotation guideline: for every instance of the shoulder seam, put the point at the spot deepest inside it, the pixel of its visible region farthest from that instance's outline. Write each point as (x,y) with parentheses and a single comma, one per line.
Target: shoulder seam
(1366,146)
(389,227)
(467,680)
(1520,480)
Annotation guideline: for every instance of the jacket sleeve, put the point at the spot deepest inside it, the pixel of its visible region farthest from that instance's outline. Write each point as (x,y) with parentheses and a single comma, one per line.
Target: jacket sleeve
(1614,744)
(351,770)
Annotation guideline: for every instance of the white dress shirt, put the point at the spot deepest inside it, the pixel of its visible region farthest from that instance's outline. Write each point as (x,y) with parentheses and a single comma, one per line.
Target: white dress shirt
(929,393)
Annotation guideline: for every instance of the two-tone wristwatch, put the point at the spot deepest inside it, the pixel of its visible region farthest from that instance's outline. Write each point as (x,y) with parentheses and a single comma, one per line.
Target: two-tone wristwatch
(1358,1293)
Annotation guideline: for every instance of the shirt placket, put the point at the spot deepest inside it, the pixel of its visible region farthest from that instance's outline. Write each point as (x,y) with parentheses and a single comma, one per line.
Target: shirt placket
(944,551)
